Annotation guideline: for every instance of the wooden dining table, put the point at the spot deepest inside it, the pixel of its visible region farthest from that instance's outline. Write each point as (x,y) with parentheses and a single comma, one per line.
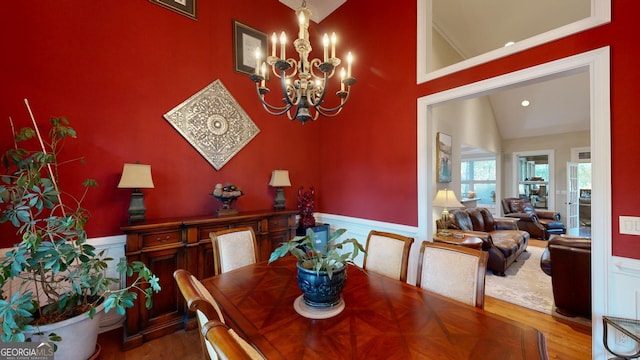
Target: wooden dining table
(382,319)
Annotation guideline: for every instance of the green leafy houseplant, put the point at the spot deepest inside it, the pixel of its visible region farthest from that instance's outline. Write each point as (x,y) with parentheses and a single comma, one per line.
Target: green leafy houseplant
(330,260)
(55,273)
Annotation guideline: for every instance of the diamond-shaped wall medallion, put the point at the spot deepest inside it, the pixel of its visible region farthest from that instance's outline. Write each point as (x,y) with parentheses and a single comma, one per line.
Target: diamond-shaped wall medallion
(213,123)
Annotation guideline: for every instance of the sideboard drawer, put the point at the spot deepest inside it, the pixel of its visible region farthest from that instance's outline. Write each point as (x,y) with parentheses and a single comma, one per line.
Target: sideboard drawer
(278,223)
(161,238)
(203,232)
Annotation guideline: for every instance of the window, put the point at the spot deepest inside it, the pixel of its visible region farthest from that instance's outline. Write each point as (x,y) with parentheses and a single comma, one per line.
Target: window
(584,176)
(479,176)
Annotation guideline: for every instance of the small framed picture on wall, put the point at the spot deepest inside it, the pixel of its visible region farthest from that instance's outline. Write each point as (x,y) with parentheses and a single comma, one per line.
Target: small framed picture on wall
(245,42)
(184,7)
(444,157)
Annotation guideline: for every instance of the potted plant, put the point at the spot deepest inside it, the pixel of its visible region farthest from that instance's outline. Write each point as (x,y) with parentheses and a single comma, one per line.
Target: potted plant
(321,272)
(53,274)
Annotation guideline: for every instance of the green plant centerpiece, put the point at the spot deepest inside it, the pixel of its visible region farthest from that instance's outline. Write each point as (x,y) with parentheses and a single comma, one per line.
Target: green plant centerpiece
(53,274)
(321,272)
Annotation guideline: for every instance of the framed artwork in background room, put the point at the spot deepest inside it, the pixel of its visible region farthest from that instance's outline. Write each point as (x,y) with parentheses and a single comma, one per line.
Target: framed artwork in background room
(184,7)
(444,157)
(245,42)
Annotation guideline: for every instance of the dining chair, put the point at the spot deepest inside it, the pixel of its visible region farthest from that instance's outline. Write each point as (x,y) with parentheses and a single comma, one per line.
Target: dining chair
(233,248)
(200,300)
(220,342)
(454,271)
(388,254)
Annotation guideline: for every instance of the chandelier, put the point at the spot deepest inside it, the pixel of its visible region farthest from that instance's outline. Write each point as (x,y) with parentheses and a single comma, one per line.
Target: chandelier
(304,82)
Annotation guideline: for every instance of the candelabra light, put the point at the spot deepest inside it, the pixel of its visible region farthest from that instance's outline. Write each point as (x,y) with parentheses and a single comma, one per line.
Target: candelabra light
(304,82)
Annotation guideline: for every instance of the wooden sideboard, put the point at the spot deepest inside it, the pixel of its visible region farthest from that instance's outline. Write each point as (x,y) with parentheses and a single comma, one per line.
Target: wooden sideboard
(170,244)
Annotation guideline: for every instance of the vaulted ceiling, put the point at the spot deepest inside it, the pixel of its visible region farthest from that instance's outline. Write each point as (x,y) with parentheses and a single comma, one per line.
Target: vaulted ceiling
(473,27)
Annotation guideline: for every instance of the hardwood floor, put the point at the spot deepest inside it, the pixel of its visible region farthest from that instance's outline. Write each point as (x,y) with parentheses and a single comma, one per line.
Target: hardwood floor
(565,340)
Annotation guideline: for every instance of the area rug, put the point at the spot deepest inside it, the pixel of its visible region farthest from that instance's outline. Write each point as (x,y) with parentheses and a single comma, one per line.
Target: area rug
(524,284)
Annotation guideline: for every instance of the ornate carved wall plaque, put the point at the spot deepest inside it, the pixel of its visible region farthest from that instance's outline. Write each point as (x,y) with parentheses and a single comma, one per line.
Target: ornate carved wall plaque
(213,123)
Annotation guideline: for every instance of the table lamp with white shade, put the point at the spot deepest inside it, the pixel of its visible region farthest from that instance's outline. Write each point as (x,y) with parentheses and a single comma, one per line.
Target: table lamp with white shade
(279,178)
(446,199)
(136,177)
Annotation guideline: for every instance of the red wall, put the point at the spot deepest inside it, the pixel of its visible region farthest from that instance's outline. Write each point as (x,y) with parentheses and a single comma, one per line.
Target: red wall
(370,157)
(376,149)
(114,70)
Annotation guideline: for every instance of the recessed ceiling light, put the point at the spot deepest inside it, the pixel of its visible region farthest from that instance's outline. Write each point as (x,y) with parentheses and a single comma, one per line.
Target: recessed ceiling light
(525,103)
(509,43)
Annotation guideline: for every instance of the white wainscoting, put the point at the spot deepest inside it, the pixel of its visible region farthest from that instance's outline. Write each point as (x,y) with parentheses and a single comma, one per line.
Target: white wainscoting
(114,247)
(624,298)
(360,228)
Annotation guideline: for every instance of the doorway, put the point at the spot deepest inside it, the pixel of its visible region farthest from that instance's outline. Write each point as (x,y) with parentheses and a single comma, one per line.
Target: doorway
(597,63)
(534,178)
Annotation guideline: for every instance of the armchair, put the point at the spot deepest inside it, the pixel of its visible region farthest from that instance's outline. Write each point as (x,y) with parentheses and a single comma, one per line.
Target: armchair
(568,261)
(540,224)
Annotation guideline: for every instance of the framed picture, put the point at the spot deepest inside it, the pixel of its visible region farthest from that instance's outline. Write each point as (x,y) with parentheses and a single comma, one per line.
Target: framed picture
(245,41)
(184,7)
(444,157)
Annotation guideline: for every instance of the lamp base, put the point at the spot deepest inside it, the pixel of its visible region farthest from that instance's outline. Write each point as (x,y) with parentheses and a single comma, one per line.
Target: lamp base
(279,201)
(136,207)
(445,233)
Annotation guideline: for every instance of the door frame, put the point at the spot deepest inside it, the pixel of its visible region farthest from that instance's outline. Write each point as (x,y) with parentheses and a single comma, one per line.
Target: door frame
(597,62)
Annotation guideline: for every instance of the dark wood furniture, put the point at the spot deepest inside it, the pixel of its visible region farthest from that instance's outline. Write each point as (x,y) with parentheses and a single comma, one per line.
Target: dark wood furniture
(459,237)
(501,239)
(383,318)
(170,244)
(540,224)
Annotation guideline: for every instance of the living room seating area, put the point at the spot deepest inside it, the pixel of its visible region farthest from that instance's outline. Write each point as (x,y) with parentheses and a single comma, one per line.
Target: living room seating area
(501,238)
(540,224)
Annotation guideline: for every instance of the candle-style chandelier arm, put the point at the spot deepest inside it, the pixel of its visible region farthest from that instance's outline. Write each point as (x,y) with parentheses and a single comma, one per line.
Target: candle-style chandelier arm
(304,83)
(331,112)
(271,109)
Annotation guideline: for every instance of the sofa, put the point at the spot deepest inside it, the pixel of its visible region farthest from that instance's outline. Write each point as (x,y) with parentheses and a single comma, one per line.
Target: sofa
(540,224)
(567,260)
(501,239)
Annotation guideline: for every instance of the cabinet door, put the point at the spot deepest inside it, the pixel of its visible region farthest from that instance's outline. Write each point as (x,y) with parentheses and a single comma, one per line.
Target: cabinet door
(168,311)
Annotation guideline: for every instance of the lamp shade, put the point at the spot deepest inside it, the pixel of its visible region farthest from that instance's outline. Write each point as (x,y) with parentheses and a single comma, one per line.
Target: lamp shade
(136,176)
(280,178)
(446,199)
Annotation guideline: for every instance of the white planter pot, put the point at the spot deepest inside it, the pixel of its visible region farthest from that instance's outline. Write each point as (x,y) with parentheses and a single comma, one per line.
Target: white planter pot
(79,335)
